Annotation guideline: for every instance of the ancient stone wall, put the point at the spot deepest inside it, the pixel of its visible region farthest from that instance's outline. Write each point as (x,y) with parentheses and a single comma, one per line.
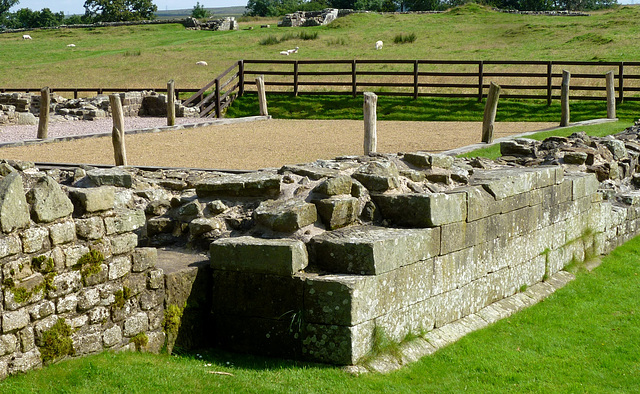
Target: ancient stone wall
(311,261)
(21,108)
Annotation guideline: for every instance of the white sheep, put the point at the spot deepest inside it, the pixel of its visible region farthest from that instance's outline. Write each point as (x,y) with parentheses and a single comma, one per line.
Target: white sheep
(202,63)
(378,45)
(26,37)
(71,45)
(285,53)
(295,50)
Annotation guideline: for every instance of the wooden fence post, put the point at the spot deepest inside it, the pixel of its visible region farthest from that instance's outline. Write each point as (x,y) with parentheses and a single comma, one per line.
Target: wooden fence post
(564,99)
(480,80)
(117,134)
(490,109)
(262,96)
(370,115)
(171,103)
(549,81)
(45,102)
(611,96)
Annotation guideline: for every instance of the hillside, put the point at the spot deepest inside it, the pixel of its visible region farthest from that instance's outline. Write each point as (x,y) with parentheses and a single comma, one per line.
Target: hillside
(219,11)
(148,56)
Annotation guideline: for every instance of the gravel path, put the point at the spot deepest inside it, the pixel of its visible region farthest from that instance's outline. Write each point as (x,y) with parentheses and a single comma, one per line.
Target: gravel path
(250,145)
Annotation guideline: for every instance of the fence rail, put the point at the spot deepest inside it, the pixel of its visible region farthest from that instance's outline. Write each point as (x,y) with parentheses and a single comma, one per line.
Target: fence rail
(411,78)
(76,91)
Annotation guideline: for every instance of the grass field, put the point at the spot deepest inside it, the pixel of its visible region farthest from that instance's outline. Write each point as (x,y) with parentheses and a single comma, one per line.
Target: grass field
(148,56)
(582,339)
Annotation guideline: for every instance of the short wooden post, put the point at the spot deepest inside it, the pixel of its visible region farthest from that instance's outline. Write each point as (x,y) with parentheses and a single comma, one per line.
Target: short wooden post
(171,103)
(45,102)
(370,118)
(611,96)
(262,96)
(117,134)
(490,109)
(564,99)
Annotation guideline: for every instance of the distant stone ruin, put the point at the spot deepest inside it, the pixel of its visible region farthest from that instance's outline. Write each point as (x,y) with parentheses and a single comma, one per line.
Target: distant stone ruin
(309,18)
(220,24)
(21,108)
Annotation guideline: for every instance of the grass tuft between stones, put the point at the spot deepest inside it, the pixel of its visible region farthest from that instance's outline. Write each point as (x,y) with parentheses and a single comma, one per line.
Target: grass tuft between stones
(57,342)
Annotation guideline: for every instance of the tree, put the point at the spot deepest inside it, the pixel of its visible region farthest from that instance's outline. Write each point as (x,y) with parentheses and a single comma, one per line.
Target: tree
(119,10)
(199,12)
(262,8)
(6,4)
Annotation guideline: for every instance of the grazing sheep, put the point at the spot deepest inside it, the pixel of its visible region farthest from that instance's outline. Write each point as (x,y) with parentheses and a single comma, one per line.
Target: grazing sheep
(378,45)
(202,63)
(71,45)
(286,53)
(26,37)
(295,50)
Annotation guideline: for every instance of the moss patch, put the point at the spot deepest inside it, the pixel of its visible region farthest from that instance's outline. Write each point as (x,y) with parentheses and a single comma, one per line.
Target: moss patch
(90,264)
(43,264)
(122,296)
(140,340)
(57,342)
(172,319)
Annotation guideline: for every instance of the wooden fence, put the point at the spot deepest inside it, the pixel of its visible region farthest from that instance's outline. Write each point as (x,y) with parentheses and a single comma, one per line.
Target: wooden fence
(411,78)
(77,91)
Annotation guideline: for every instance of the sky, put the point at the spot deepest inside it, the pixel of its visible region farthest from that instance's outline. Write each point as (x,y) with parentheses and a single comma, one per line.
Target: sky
(76,6)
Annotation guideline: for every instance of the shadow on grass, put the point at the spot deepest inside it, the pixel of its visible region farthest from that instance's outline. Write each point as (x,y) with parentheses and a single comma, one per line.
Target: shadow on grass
(282,106)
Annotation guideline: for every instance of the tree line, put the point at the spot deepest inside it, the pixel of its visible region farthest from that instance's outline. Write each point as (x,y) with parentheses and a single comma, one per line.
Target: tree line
(281,7)
(95,11)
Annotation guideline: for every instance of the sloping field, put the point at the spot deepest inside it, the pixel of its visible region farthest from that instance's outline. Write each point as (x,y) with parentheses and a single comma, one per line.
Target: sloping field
(148,56)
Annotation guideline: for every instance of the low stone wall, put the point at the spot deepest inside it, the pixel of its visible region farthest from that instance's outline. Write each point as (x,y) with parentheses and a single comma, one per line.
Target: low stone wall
(21,108)
(312,261)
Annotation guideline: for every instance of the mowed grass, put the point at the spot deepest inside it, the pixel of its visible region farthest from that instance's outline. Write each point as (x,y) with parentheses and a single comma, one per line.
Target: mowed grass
(599,130)
(583,338)
(103,56)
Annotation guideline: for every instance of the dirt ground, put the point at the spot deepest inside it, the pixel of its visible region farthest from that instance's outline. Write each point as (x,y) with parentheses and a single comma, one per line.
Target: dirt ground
(261,144)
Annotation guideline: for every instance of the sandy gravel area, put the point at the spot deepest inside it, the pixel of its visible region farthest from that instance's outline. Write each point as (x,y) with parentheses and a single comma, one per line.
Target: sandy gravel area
(253,145)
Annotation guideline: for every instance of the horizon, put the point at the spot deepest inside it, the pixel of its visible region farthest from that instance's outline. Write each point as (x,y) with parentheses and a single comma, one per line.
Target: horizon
(76,7)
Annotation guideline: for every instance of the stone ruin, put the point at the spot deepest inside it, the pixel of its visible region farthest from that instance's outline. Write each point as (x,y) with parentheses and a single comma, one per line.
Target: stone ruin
(310,261)
(219,24)
(22,108)
(309,18)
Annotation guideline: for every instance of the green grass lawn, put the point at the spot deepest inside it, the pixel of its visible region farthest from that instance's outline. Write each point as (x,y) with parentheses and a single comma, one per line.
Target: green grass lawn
(149,56)
(583,338)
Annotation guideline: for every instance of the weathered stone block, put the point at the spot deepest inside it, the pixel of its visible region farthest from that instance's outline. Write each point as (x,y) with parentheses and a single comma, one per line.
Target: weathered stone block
(8,344)
(422,210)
(337,344)
(335,186)
(88,298)
(14,320)
(66,304)
(504,183)
(87,340)
(286,216)
(17,269)
(378,176)
(74,253)
(25,361)
(112,336)
(10,245)
(156,279)
(337,212)
(136,324)
(160,225)
(125,221)
(259,184)
(110,176)
(200,226)
(90,228)
(282,257)
(258,295)
(99,315)
(582,184)
(428,160)
(62,232)
(151,299)
(144,258)
(119,267)
(369,250)
(93,199)
(48,201)
(42,309)
(65,283)
(123,243)
(14,210)
(33,239)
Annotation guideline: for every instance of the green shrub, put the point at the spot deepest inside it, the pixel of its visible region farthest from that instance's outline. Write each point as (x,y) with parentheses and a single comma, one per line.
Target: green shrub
(405,38)
(303,35)
(270,40)
(140,340)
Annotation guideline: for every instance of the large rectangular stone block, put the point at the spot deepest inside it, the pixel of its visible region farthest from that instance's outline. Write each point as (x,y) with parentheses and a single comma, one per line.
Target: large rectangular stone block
(282,257)
(353,299)
(259,295)
(370,250)
(480,203)
(422,210)
(258,184)
(582,184)
(455,269)
(503,183)
(337,344)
